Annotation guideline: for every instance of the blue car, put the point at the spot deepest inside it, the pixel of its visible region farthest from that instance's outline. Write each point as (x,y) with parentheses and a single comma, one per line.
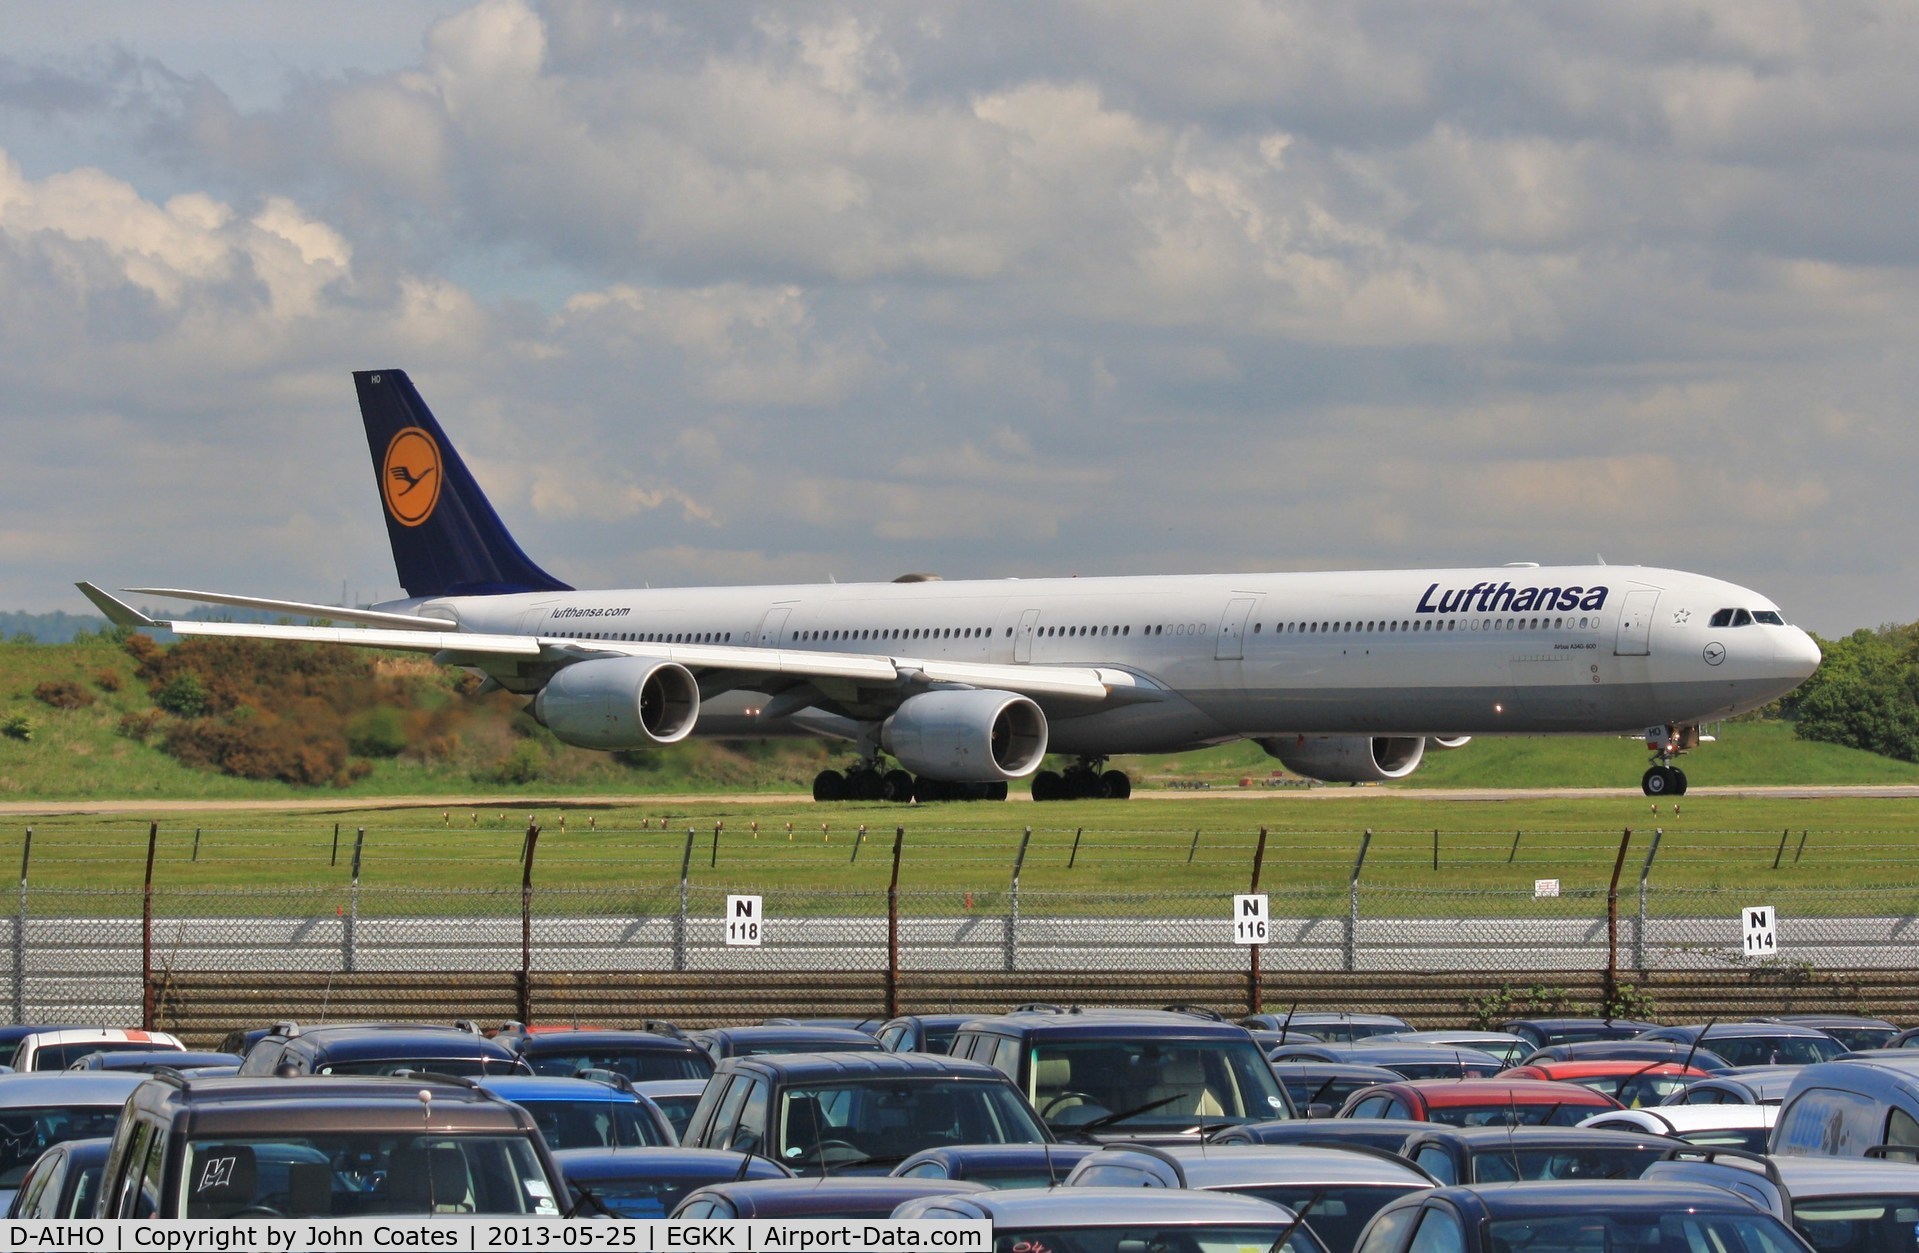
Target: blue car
(584,1113)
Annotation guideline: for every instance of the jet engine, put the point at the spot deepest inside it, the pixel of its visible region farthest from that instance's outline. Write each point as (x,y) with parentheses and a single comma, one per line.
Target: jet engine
(969,736)
(1448,741)
(1348,758)
(620,702)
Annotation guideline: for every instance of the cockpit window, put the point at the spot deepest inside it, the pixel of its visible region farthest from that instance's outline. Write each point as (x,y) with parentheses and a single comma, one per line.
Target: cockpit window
(1721,619)
(1733,618)
(1768,616)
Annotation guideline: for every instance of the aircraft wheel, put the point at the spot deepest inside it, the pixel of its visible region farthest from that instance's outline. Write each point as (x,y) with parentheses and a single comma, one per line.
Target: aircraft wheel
(996,791)
(1048,786)
(896,785)
(1115,785)
(1657,781)
(925,789)
(829,785)
(865,785)
(1678,781)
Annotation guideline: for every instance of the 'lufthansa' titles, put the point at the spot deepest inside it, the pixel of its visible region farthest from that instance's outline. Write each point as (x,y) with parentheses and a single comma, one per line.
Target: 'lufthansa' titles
(1505,598)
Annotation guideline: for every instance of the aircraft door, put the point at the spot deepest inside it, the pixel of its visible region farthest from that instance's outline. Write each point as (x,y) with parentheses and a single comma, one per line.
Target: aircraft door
(771,626)
(1023,636)
(1232,629)
(1635,625)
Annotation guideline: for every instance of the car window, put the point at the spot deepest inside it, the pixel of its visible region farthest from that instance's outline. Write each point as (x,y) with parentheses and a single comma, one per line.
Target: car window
(353,1174)
(1437,1162)
(125,1183)
(43,1175)
(1439,1232)
(148,1198)
(27,1132)
(726,1119)
(1388,1230)
(751,1132)
(1372,1107)
(1857,1224)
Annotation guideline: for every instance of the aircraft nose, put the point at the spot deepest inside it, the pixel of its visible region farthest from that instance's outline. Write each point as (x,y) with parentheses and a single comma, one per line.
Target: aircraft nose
(1797,651)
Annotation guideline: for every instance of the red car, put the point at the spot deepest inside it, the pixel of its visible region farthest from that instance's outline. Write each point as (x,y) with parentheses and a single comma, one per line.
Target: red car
(1632,1084)
(1480,1102)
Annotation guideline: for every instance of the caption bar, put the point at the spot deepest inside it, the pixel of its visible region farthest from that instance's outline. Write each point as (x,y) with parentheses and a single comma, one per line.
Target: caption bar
(302,1235)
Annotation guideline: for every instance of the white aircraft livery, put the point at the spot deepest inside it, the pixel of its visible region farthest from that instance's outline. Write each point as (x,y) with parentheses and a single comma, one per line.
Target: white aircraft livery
(951,690)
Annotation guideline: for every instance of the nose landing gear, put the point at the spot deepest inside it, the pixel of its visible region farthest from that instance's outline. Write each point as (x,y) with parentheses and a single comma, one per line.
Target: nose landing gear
(1665,743)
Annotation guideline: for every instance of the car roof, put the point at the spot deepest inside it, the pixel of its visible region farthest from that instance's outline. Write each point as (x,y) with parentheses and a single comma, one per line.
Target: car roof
(1476,1138)
(398,1042)
(1223,1165)
(784,1031)
(1438,1037)
(799,1195)
(669,1087)
(1110,1207)
(1809,1178)
(1105,1024)
(133,1059)
(80,1035)
(34,1088)
(555,1088)
(1324,1016)
(1306,1067)
(373,1103)
(1599,1068)
(572,1038)
(646,1161)
(1444,1093)
(1730,1031)
(1633,1197)
(1063,1156)
(1827,1020)
(1385,1054)
(831,1067)
(1683,1118)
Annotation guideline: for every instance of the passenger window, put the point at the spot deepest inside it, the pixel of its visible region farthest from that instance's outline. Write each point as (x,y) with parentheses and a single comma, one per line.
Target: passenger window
(1901,1128)
(152,1176)
(720,1134)
(1372,1107)
(1006,1057)
(1388,1230)
(1436,1162)
(129,1180)
(1439,1232)
(751,1133)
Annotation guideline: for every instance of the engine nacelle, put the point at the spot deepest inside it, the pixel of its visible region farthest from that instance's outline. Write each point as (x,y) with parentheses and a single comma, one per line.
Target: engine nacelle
(967,736)
(620,702)
(1448,741)
(1348,758)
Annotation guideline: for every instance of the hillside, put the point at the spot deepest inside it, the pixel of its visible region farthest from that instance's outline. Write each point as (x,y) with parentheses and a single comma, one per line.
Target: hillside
(307,720)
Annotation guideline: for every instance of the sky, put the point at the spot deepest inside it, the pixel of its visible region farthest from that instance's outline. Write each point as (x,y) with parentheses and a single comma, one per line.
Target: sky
(753,293)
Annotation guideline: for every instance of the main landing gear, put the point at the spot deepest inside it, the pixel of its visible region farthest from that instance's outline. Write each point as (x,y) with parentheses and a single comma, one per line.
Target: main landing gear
(868,781)
(1666,743)
(1083,780)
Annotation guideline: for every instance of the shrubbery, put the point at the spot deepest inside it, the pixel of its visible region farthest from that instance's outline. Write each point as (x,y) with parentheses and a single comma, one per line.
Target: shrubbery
(63,694)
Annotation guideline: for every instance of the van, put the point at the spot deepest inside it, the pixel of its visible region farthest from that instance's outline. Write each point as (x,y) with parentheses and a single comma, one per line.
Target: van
(1847,1107)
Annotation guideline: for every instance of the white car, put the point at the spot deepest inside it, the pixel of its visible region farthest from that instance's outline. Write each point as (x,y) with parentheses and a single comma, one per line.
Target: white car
(1710,1126)
(57,1050)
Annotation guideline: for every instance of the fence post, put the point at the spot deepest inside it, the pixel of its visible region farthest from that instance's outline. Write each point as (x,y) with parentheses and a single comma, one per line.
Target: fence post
(1611,993)
(351,960)
(1012,911)
(1352,909)
(893,929)
(1254,996)
(679,922)
(1803,833)
(334,859)
(1192,848)
(1783,837)
(146,933)
(1074,855)
(20,937)
(1515,849)
(1639,931)
(526,924)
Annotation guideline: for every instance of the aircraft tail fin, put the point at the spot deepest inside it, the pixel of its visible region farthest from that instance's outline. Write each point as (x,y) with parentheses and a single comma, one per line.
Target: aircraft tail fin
(447,541)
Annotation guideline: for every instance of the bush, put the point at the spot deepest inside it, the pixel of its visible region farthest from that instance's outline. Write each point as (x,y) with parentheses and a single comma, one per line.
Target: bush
(63,694)
(107,680)
(377,732)
(139,724)
(17,727)
(262,748)
(184,696)
(523,764)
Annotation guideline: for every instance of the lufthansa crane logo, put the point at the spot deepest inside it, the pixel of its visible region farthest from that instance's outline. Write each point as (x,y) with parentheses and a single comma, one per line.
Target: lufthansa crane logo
(1715,653)
(410,476)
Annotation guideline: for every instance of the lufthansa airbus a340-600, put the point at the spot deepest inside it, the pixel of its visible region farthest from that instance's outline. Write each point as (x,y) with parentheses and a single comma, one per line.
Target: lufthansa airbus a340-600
(954,689)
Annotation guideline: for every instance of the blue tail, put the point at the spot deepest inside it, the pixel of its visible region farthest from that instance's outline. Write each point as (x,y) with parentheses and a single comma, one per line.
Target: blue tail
(447,541)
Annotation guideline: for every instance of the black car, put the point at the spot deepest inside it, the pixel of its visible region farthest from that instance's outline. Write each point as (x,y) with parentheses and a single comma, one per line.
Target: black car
(1634,1216)
(640,1056)
(1637,1049)
(154,1059)
(1128,1073)
(379,1049)
(1754,1043)
(922,1033)
(1546,1032)
(724,1042)
(1332,1026)
(1387,1134)
(1511,1154)
(1318,1089)
(849,1113)
(1852,1030)
(63,1182)
(647,1182)
(862,1196)
(997,1165)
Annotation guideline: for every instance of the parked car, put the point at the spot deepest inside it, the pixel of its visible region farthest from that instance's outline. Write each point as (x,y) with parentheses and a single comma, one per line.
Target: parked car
(1849,1205)
(1504,1045)
(922,1033)
(1846,1108)
(379,1049)
(313,1147)
(13,1033)
(39,1110)
(676,1098)
(1409,1061)
(1124,1220)
(1742,1085)
(1855,1031)
(585,1114)
(1480,1102)
(1713,1126)
(63,1183)
(997,1165)
(1318,1089)
(1754,1043)
(850,1113)
(724,1042)
(1632,1084)
(636,1055)
(153,1059)
(1632,1216)
(1128,1073)
(1384,1134)
(650,1182)
(1510,1154)
(1331,1026)
(858,1196)
(1637,1049)
(59,1048)
(1337,1189)
(1546,1032)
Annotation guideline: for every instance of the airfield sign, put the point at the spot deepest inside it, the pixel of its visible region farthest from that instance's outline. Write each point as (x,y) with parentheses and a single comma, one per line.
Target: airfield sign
(1761,927)
(743,921)
(1250,918)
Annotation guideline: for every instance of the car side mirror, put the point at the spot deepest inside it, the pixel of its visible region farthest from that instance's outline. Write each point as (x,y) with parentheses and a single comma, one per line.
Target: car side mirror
(1321,1109)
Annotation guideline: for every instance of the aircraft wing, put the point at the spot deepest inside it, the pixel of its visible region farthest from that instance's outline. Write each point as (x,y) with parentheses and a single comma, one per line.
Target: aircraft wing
(717,660)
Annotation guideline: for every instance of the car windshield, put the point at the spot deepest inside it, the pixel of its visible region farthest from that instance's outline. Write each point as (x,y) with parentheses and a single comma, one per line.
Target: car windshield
(61,1056)
(1171,1238)
(347,1175)
(887,1121)
(1776,1050)
(1454,1069)
(637,1065)
(1323,1091)
(1511,1114)
(1511,1165)
(1858,1224)
(1134,1085)
(1669,1233)
(27,1133)
(462,1067)
(570,1124)
(1636,1090)
(1336,1214)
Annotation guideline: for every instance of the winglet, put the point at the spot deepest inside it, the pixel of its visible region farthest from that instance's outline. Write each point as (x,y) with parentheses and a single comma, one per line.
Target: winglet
(118,611)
